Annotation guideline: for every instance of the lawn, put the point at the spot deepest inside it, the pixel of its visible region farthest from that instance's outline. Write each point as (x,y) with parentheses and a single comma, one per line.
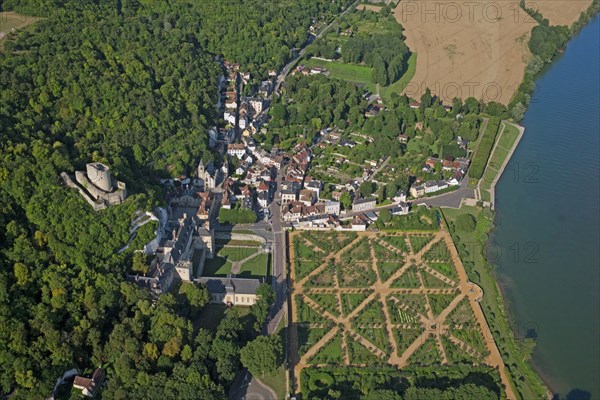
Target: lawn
(488,178)
(510,134)
(234,254)
(498,157)
(362,74)
(217,266)
(485,195)
(347,72)
(276,381)
(255,267)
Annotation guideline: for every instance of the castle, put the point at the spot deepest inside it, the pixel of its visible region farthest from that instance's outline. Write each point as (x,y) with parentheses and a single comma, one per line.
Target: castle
(97,186)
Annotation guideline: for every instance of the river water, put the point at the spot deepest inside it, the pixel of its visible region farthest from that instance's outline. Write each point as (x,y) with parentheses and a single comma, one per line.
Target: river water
(547,216)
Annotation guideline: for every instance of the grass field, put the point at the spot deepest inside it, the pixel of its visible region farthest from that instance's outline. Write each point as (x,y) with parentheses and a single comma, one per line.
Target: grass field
(255,267)
(362,74)
(347,72)
(509,135)
(235,254)
(498,157)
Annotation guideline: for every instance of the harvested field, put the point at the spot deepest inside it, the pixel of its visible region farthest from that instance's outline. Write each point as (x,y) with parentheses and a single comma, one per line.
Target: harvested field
(561,12)
(466,49)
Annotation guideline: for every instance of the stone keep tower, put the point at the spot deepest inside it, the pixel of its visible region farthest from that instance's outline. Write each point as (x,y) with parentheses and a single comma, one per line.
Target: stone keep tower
(99,176)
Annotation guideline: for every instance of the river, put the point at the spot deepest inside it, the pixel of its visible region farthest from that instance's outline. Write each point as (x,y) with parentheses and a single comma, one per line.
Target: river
(547,221)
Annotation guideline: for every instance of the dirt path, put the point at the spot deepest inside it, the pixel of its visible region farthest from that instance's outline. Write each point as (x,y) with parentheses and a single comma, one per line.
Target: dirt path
(475,294)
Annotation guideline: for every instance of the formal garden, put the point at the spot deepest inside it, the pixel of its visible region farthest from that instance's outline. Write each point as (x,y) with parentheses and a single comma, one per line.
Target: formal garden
(376,299)
(244,260)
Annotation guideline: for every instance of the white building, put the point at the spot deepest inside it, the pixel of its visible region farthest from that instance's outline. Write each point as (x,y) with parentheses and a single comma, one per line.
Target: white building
(431,186)
(229,117)
(237,149)
(363,204)
(332,207)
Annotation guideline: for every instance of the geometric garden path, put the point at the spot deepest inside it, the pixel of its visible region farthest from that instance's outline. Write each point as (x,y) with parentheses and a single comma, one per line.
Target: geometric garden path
(383,292)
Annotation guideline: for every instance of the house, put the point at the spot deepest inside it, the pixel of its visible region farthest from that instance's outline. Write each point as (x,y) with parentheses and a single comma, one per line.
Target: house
(358,224)
(89,386)
(315,186)
(400,196)
(417,191)
(265,88)
(263,199)
(332,207)
(289,185)
(292,211)
(415,104)
(272,73)
(236,149)
(371,216)
(347,143)
(441,185)
(431,186)
(226,201)
(402,209)
(307,197)
(262,187)
(229,117)
(276,161)
(317,70)
(403,138)
(431,162)
(288,196)
(243,122)
(231,102)
(231,291)
(363,204)
(256,104)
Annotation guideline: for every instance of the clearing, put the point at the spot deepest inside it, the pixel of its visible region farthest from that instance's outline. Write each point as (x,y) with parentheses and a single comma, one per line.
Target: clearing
(11,20)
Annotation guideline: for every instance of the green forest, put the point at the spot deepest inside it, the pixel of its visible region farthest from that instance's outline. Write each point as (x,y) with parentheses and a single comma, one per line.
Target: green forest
(132,84)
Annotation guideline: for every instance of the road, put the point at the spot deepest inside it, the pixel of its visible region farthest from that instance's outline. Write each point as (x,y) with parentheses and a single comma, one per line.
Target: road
(278,262)
(451,200)
(286,70)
